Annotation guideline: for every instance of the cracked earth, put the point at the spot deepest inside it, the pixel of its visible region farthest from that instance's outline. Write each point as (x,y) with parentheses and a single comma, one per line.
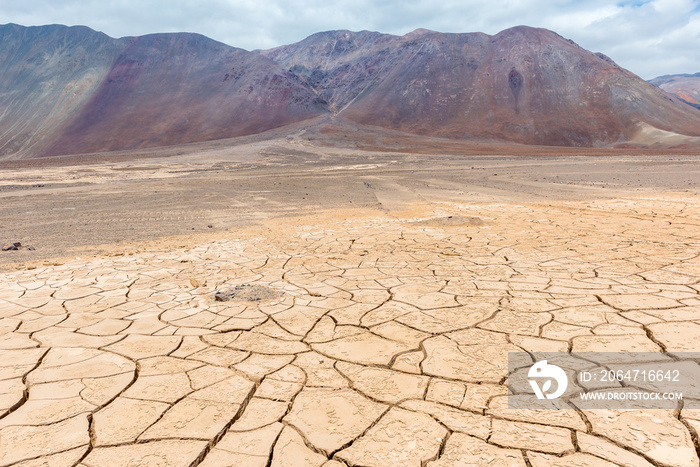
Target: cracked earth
(373,341)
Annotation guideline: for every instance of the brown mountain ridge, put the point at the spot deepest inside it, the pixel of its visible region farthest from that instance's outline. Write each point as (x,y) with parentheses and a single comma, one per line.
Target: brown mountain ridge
(73,90)
(524,85)
(70,90)
(684,86)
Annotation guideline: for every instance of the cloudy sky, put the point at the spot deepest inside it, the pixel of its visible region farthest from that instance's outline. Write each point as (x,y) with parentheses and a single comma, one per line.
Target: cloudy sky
(648,37)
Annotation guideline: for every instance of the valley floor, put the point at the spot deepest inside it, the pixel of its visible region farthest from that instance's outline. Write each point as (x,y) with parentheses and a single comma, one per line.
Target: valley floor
(375,299)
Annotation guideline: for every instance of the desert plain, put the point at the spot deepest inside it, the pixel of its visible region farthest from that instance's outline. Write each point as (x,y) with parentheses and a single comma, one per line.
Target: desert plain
(376,286)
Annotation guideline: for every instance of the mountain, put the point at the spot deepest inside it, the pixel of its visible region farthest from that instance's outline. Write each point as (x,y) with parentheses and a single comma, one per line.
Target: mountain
(685,87)
(46,76)
(524,85)
(73,90)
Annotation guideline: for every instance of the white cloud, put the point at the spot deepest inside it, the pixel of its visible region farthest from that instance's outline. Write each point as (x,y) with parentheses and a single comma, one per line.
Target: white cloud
(648,37)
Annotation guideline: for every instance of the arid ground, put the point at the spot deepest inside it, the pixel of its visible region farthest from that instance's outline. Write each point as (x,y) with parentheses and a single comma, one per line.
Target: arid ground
(375,296)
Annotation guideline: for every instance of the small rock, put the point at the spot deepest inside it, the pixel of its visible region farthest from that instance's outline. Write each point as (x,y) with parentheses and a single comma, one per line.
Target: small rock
(11,246)
(246,292)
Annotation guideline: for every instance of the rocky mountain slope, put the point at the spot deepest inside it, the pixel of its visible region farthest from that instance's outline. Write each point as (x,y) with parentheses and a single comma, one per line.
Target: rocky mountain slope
(524,85)
(72,90)
(686,87)
(47,74)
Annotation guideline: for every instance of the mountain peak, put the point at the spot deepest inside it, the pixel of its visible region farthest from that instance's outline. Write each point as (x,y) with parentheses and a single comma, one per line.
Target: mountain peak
(418,32)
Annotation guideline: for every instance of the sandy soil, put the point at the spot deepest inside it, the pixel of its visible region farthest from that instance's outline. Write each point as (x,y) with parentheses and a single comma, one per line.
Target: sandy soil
(62,209)
(376,295)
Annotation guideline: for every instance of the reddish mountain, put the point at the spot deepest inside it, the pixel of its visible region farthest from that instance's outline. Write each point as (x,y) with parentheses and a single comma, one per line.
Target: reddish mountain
(525,85)
(685,87)
(73,90)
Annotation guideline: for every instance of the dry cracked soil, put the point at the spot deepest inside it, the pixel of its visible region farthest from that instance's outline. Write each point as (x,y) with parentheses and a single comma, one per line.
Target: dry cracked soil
(373,300)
